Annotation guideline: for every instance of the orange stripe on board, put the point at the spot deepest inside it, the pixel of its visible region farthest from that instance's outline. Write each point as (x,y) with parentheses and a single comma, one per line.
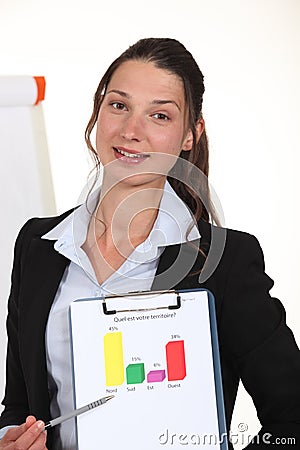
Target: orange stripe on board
(41,87)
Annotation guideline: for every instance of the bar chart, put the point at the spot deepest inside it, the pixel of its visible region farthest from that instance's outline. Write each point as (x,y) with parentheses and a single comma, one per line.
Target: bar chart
(138,371)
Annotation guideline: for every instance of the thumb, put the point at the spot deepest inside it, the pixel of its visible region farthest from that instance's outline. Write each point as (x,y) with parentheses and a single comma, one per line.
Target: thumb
(14,433)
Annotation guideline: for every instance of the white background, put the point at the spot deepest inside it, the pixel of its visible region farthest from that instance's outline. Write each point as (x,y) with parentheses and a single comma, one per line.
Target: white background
(249,53)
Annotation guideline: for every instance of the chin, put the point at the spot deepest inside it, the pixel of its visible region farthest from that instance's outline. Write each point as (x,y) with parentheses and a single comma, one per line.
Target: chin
(137,179)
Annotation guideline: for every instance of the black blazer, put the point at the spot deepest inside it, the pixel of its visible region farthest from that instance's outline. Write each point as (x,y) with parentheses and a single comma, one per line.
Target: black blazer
(256,346)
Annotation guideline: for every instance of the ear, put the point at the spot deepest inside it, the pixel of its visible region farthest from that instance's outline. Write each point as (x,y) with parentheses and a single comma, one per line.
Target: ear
(188,141)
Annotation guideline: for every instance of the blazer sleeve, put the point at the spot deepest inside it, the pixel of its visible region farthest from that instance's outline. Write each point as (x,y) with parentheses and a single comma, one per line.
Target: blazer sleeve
(254,335)
(15,400)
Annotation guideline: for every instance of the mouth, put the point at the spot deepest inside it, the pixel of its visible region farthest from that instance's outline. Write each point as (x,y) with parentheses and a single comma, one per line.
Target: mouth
(129,155)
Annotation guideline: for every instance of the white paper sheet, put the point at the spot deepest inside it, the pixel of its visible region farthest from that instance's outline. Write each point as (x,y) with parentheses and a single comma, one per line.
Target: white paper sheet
(146,415)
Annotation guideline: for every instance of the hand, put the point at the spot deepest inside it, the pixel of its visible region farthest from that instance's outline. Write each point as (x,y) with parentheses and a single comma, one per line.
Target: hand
(28,436)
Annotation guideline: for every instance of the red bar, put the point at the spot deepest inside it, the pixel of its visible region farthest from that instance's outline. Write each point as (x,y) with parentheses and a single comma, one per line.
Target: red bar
(175,360)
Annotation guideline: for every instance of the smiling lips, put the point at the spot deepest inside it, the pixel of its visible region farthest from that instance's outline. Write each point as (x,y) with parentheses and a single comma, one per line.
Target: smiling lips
(129,156)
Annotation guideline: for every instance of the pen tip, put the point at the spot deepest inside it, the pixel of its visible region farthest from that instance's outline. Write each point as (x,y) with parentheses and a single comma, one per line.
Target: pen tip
(109,397)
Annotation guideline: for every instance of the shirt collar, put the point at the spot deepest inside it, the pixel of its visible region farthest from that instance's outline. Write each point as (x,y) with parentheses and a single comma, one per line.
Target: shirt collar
(170,227)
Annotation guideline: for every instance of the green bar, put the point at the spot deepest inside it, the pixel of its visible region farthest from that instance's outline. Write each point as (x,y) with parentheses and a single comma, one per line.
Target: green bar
(135,373)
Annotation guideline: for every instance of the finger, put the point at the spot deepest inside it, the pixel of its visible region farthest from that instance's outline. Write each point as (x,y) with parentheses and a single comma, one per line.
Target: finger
(31,435)
(40,442)
(30,420)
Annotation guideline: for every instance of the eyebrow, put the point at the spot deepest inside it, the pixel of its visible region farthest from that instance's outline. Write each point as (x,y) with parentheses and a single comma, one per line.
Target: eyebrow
(122,93)
(154,102)
(165,102)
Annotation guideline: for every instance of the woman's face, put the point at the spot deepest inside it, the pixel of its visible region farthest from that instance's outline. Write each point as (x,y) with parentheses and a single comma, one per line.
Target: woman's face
(141,126)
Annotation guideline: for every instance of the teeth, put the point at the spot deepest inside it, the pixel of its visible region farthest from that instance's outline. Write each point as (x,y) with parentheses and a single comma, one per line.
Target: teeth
(130,155)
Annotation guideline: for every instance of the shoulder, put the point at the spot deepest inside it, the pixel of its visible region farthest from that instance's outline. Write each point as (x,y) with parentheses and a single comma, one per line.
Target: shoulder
(233,237)
(38,226)
(233,244)
(35,228)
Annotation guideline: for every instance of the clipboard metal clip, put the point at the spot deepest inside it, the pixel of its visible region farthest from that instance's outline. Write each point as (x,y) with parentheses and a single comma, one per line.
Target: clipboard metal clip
(106,311)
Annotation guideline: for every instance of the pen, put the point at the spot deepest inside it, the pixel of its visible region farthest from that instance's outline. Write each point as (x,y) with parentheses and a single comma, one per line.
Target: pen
(76,412)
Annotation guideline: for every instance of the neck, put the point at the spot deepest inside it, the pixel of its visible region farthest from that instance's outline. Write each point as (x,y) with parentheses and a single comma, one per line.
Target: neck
(125,210)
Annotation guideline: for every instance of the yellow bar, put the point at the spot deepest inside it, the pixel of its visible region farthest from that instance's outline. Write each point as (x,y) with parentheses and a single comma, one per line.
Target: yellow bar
(114,361)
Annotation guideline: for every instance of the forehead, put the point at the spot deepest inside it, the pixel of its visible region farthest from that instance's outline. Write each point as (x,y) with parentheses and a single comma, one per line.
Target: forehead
(139,78)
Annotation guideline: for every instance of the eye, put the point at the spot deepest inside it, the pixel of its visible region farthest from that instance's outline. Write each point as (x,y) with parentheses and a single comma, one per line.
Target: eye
(160,116)
(118,105)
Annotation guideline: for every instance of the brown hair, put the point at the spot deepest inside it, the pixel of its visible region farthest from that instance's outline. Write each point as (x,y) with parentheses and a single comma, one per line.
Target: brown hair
(171,55)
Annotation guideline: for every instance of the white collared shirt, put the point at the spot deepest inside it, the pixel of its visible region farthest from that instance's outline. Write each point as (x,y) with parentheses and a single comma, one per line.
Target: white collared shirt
(79,281)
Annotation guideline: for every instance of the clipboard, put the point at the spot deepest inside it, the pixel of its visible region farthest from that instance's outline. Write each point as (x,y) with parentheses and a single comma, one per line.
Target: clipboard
(157,353)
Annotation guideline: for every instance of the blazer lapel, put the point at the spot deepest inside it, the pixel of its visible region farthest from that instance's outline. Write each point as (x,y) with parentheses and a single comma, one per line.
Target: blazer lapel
(176,266)
(184,267)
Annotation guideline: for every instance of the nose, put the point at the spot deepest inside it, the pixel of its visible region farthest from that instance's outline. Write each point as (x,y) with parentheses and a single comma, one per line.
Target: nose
(132,129)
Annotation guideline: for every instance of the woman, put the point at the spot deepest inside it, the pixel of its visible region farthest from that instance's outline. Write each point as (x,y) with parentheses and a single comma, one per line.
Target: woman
(138,231)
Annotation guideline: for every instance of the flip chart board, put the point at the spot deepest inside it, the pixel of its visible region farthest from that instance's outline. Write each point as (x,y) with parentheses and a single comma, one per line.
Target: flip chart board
(25,175)
(158,354)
